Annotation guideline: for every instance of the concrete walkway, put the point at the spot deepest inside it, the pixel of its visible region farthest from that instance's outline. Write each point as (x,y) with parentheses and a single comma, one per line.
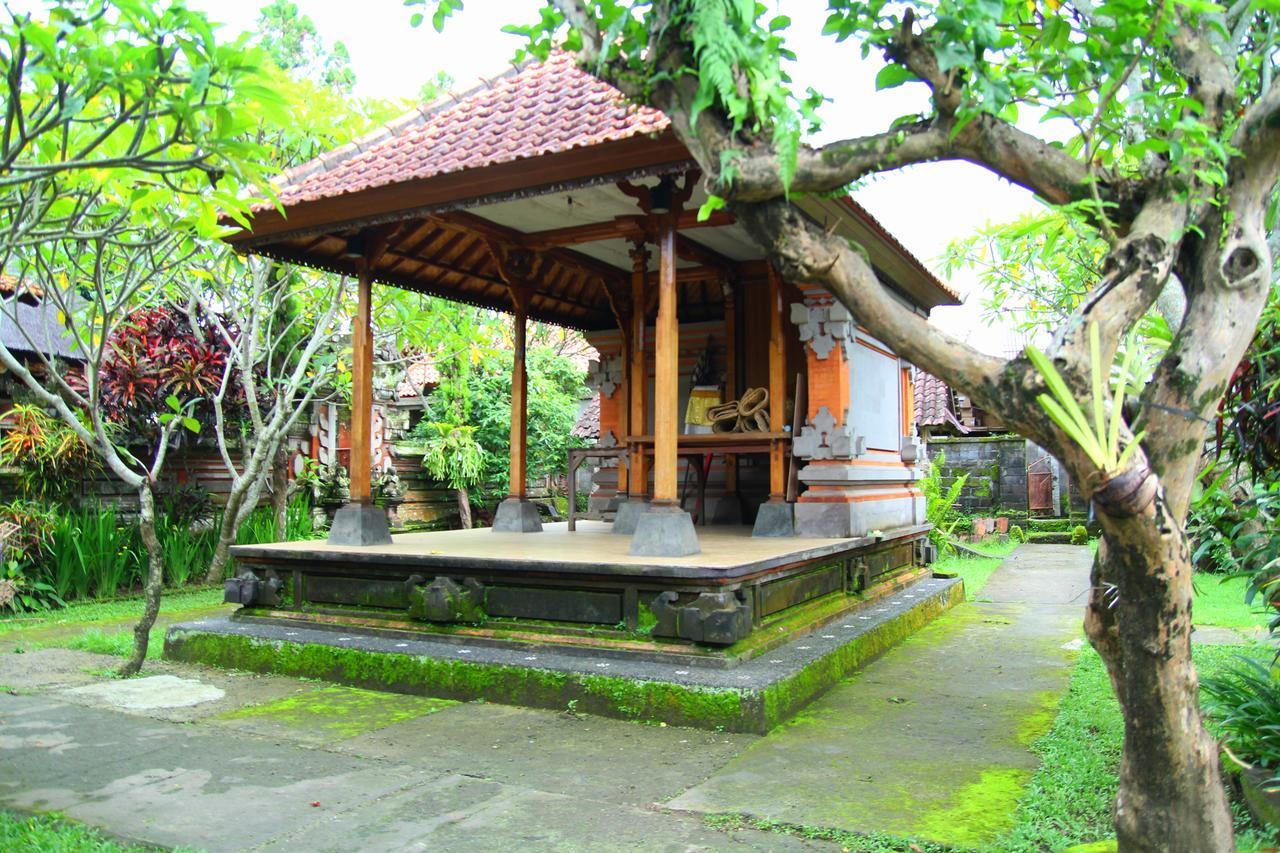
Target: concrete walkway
(931,737)
(932,740)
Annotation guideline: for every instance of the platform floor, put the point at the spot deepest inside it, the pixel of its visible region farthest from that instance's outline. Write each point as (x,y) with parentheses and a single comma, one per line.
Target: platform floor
(592,544)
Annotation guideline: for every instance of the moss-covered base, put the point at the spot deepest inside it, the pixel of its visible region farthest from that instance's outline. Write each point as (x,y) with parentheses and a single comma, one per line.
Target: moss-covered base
(731,709)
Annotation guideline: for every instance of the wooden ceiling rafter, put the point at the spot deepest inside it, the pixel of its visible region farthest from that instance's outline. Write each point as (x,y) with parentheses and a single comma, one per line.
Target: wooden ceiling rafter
(619,227)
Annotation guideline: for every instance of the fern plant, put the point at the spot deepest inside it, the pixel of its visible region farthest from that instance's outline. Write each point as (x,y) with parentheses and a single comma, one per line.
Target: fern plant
(940,506)
(1100,440)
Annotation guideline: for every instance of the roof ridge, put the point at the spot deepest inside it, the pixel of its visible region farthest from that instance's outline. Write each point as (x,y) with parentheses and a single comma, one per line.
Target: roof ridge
(393,127)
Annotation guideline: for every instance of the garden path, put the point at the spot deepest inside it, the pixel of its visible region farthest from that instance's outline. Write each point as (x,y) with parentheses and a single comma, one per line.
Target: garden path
(938,727)
(932,740)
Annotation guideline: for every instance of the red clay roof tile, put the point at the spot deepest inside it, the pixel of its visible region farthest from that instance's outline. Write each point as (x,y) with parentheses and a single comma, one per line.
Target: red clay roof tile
(543,108)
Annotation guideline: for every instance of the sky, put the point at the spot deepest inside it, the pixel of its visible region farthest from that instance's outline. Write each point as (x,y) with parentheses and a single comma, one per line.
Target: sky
(925,207)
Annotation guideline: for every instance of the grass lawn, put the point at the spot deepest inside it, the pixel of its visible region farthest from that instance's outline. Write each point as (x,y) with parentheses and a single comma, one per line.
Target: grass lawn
(105,627)
(1069,799)
(49,832)
(975,570)
(175,601)
(1219,600)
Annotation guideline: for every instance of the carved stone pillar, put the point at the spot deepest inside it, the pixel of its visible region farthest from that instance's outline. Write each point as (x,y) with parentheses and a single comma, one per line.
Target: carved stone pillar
(852,438)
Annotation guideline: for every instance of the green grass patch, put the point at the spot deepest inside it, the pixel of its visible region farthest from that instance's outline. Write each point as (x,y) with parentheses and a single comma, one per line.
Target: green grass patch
(1219,600)
(115,610)
(118,643)
(54,833)
(976,570)
(1069,798)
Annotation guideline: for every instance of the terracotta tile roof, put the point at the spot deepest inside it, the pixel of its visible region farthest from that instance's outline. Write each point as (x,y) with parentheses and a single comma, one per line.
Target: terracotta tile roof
(542,108)
(538,109)
(419,378)
(933,400)
(588,423)
(10,284)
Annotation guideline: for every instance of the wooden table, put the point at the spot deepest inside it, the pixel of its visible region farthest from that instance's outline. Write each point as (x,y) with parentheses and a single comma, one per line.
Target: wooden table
(577,456)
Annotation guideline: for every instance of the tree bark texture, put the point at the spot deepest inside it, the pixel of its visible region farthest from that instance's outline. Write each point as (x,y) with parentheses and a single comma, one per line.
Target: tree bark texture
(154,582)
(464,509)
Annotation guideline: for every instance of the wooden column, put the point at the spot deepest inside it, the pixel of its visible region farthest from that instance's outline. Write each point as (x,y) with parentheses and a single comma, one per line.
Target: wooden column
(519,394)
(777,388)
(638,373)
(730,375)
(362,389)
(666,371)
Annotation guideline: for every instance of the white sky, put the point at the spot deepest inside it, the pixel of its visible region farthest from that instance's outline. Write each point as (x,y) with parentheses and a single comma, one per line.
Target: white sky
(925,206)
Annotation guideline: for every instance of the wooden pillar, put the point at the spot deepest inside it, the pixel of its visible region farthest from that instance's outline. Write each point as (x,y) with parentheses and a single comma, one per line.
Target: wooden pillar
(624,403)
(730,375)
(519,395)
(777,388)
(638,392)
(362,390)
(666,371)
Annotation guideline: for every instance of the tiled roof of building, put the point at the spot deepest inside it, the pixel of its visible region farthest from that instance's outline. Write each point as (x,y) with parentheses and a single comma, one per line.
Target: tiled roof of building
(419,377)
(27,292)
(542,108)
(933,400)
(535,110)
(588,424)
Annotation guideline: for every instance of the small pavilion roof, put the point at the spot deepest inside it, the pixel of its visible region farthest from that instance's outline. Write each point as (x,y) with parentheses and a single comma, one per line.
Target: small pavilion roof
(531,162)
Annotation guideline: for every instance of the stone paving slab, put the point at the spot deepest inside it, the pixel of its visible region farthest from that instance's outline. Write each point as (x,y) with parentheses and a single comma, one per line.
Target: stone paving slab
(205,786)
(931,741)
(577,755)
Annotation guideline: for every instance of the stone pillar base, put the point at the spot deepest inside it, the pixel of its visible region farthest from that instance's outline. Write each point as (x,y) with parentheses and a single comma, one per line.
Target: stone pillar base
(665,532)
(516,515)
(628,513)
(360,524)
(775,518)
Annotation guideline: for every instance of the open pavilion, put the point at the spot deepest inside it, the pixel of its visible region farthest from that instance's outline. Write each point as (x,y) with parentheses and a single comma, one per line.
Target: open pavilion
(544,194)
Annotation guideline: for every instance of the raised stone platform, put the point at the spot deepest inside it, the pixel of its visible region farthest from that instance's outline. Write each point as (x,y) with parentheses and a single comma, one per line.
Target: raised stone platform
(750,693)
(562,581)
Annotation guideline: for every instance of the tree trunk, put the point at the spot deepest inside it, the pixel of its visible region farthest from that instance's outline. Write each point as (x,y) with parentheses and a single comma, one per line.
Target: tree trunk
(280,492)
(464,508)
(155,580)
(226,537)
(1171,794)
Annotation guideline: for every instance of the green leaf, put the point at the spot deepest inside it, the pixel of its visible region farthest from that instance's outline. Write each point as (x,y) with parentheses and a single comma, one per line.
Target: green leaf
(191,424)
(710,206)
(892,76)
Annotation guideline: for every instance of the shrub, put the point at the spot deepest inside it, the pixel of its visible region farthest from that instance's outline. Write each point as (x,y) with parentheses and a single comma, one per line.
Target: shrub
(50,454)
(187,552)
(22,591)
(1017,534)
(939,507)
(1244,705)
(1079,535)
(91,553)
(35,526)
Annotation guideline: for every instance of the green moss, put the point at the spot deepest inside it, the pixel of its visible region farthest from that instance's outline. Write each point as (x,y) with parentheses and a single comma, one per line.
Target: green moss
(786,697)
(980,811)
(341,712)
(652,701)
(1029,728)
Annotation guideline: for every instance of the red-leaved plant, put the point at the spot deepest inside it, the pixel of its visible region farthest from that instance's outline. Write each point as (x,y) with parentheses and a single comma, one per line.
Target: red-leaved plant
(158,354)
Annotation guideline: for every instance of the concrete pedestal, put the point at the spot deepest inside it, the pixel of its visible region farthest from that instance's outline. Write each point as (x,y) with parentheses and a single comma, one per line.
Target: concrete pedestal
(516,516)
(664,532)
(775,518)
(628,513)
(360,524)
